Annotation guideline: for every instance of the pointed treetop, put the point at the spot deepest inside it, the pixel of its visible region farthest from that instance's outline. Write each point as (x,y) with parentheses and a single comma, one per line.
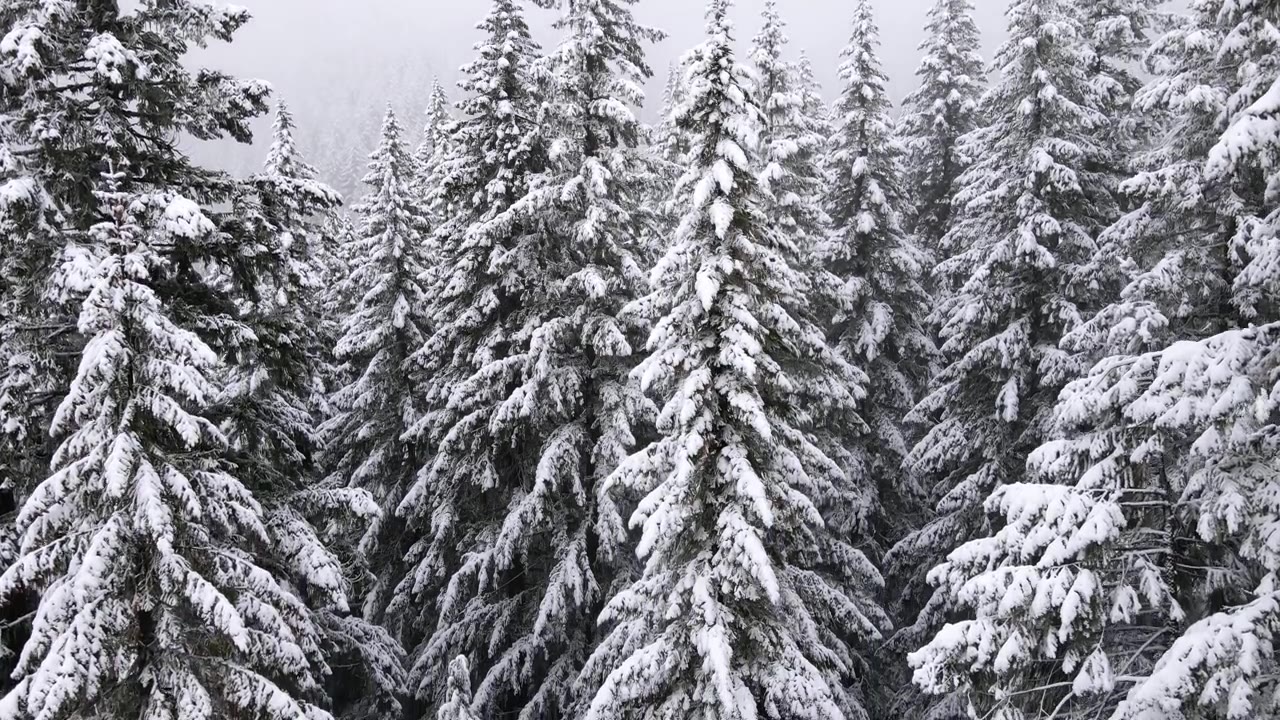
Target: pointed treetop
(283,156)
(718,23)
(437,115)
(860,70)
(390,125)
(771,38)
(865,33)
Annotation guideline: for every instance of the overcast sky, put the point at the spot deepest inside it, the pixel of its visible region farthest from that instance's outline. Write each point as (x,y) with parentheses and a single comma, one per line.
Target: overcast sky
(323,56)
(308,47)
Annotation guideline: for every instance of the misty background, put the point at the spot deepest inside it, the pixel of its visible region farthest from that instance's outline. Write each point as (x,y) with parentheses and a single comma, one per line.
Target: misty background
(338,63)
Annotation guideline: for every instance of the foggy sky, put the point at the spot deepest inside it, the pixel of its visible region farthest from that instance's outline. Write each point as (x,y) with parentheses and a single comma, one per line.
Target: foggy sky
(309,48)
(331,59)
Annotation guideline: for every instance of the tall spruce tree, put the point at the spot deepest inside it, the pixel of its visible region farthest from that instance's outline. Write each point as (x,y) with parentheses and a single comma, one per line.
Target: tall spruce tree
(813,108)
(748,603)
(1028,206)
(791,140)
(583,412)
(668,148)
(271,392)
(141,544)
(430,151)
(1131,579)
(270,407)
(937,115)
(879,304)
(876,308)
(469,588)
(366,438)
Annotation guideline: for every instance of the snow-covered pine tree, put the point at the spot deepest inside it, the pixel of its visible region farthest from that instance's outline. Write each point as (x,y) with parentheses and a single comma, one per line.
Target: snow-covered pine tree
(791,142)
(1140,582)
(270,394)
(77,91)
(269,415)
(366,440)
(430,151)
(879,305)
(937,115)
(337,239)
(460,595)
(37,334)
(875,307)
(140,543)
(1027,208)
(558,396)
(748,604)
(1119,31)
(668,141)
(813,108)
(585,411)
(435,131)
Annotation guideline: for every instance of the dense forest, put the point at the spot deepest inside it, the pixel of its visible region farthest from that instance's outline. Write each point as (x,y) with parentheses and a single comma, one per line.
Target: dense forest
(791,406)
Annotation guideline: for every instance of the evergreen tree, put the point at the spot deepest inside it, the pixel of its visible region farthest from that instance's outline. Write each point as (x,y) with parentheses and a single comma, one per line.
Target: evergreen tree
(748,604)
(813,108)
(565,368)
(140,542)
(668,149)
(427,157)
(592,195)
(269,405)
(271,392)
(668,141)
(937,115)
(879,304)
(468,589)
(1119,32)
(435,132)
(791,141)
(1132,579)
(138,480)
(1027,208)
(876,307)
(366,439)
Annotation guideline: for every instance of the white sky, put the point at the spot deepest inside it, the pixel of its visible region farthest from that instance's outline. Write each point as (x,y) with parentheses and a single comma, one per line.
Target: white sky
(324,55)
(309,47)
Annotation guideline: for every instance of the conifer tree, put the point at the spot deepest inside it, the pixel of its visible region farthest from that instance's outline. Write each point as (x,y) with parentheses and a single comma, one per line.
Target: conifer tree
(430,151)
(468,589)
(566,369)
(435,131)
(937,115)
(270,405)
(813,108)
(366,437)
(592,196)
(879,304)
(271,393)
(669,147)
(139,541)
(141,545)
(876,307)
(748,605)
(791,141)
(1130,579)
(668,141)
(1027,208)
